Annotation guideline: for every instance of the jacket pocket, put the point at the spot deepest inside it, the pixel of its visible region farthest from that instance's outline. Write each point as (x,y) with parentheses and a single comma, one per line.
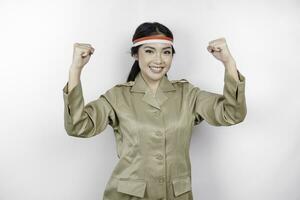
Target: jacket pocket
(132,187)
(181,185)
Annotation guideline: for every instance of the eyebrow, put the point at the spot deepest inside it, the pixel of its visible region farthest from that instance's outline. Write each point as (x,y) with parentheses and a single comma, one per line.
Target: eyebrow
(154,48)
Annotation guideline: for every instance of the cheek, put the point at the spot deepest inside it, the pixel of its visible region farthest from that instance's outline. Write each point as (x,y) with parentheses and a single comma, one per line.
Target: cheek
(143,64)
(168,60)
(145,61)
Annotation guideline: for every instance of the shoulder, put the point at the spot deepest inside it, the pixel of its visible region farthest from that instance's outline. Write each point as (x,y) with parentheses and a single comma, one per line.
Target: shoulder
(126,84)
(180,81)
(119,89)
(182,84)
(185,85)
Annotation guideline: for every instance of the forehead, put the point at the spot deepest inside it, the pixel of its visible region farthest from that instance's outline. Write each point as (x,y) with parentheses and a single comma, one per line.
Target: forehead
(156,46)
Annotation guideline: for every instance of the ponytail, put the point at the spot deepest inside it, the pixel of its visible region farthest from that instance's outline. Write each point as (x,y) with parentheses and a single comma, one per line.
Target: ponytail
(135,69)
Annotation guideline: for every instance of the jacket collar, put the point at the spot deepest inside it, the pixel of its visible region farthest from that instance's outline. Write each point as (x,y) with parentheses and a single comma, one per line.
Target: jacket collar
(156,101)
(141,86)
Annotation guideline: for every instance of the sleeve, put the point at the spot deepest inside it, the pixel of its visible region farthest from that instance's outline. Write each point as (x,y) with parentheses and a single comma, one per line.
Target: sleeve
(86,120)
(221,110)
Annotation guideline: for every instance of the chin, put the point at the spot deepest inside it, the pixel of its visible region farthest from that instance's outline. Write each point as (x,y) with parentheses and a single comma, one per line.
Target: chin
(156,76)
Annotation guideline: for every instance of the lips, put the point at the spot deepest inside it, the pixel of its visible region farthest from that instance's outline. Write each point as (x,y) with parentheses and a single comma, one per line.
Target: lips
(156,69)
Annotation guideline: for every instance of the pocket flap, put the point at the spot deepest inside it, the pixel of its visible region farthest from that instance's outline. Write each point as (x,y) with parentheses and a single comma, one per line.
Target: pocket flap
(132,187)
(181,185)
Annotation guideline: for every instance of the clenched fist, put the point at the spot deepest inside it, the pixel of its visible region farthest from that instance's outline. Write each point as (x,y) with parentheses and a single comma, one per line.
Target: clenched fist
(81,55)
(218,48)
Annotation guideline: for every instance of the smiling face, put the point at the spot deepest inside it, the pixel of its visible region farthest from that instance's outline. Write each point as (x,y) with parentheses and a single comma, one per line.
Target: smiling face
(154,60)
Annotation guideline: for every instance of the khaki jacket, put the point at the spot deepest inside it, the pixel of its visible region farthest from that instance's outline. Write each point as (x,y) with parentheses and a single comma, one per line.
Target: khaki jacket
(153,133)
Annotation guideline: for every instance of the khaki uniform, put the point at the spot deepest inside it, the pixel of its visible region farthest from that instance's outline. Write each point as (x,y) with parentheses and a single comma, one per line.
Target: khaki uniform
(153,133)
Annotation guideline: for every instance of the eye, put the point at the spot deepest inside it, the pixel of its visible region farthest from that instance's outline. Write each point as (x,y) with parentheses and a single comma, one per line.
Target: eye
(148,51)
(167,52)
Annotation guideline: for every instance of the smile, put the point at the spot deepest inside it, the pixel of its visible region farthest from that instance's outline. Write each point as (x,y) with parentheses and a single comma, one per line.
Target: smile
(156,69)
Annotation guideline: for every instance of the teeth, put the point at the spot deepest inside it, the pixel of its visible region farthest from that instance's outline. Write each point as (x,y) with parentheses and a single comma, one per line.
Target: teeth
(155,69)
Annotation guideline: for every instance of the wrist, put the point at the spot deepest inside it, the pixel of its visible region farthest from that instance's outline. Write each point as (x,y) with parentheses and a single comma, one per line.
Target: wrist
(229,63)
(74,74)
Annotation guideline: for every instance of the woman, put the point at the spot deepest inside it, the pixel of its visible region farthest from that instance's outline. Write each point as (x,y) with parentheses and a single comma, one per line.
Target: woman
(152,117)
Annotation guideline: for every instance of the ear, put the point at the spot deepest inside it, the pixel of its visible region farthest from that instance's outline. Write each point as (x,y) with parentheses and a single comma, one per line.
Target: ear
(135,56)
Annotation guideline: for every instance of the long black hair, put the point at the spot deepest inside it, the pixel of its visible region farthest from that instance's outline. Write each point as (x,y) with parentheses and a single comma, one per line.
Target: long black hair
(143,30)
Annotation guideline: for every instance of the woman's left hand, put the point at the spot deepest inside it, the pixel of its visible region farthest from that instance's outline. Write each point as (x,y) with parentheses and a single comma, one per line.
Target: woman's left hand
(218,48)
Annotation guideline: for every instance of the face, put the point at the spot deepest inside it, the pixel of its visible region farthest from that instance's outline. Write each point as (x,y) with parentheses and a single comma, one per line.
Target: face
(155,60)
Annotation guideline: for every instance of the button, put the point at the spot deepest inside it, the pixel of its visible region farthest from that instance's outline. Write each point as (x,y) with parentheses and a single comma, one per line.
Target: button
(159,156)
(161,179)
(158,133)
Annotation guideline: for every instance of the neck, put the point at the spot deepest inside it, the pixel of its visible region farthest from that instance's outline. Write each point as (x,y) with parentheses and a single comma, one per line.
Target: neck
(153,85)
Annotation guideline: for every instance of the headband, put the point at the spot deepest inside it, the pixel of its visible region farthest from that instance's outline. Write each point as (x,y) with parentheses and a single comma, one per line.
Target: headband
(152,39)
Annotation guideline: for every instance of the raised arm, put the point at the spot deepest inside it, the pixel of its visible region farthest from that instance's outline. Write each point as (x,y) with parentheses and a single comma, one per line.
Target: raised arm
(82,120)
(229,108)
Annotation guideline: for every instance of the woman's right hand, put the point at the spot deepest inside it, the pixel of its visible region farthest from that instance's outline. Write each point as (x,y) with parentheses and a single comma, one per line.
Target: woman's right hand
(81,55)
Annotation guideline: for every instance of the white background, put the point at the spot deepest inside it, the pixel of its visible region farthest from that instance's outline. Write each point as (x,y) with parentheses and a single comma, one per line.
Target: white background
(255,160)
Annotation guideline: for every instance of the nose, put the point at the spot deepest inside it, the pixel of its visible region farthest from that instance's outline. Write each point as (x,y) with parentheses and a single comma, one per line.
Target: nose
(158,59)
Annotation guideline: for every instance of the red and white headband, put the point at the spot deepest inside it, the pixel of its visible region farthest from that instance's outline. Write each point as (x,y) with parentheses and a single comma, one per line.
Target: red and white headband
(152,39)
